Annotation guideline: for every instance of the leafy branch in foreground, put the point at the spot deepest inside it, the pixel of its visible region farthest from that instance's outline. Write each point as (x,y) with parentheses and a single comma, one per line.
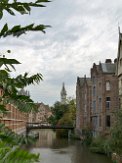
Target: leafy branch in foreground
(10,144)
(10,150)
(18,30)
(22,8)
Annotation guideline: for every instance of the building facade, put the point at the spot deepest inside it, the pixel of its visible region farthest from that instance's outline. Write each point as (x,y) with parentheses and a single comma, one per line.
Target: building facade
(83,103)
(14,119)
(42,114)
(97,99)
(119,68)
(104,97)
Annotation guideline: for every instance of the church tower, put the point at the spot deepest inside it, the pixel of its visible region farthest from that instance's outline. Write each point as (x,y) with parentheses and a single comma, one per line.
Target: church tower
(63,94)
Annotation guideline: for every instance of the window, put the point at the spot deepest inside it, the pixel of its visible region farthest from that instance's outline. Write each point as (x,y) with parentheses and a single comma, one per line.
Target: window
(99,120)
(108,101)
(95,122)
(85,108)
(94,91)
(93,79)
(100,103)
(108,121)
(108,86)
(94,105)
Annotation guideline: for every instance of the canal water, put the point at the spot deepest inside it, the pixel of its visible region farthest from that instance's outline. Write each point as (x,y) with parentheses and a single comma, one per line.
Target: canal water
(53,150)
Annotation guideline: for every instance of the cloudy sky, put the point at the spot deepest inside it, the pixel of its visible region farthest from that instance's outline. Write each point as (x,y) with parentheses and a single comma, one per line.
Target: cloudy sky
(82,32)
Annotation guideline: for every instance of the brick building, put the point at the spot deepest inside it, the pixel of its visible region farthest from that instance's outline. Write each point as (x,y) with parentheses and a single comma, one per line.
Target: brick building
(97,99)
(42,114)
(104,96)
(14,119)
(83,103)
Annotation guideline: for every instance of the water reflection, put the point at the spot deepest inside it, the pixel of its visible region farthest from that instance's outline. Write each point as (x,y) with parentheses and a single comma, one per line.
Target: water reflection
(53,150)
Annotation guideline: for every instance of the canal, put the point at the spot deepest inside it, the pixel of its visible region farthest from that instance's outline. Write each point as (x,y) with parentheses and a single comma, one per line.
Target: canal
(53,150)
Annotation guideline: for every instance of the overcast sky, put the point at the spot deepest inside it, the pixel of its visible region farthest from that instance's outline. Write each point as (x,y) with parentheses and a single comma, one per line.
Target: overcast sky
(83,32)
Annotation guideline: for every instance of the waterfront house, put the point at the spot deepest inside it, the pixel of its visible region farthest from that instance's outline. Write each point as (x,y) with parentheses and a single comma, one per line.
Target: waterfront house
(104,97)
(83,103)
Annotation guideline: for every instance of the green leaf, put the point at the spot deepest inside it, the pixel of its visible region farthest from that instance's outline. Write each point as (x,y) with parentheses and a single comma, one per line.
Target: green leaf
(10,11)
(3,109)
(39,1)
(5,28)
(1,14)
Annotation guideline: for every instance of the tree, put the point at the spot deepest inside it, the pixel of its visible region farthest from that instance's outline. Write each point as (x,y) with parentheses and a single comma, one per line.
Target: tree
(64,115)
(58,111)
(11,143)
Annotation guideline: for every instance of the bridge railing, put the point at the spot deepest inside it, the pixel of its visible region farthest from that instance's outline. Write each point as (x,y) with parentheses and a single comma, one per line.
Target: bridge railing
(41,125)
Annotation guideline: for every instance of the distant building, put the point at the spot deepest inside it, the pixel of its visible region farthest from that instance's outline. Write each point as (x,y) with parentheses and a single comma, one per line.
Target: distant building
(42,114)
(83,103)
(24,92)
(63,94)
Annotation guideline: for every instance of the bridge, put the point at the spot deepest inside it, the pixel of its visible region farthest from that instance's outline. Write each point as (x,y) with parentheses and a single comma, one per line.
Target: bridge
(30,126)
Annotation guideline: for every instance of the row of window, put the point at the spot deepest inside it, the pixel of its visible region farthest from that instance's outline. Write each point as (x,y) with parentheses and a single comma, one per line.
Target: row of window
(108,102)
(108,88)
(96,121)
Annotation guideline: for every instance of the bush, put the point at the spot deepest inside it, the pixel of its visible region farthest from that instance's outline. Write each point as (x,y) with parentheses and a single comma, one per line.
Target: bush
(98,145)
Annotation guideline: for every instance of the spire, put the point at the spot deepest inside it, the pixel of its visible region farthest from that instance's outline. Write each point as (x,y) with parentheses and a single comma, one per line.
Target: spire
(63,94)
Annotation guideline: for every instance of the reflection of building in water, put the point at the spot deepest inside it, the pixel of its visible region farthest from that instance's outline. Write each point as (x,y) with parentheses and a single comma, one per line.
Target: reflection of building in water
(42,115)
(46,138)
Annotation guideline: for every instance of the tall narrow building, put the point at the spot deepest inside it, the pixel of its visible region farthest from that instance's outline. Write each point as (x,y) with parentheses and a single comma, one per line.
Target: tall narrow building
(83,103)
(119,68)
(63,94)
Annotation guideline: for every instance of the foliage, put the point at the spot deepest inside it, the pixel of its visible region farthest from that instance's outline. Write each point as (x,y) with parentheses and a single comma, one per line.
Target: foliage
(10,143)
(87,136)
(115,141)
(98,145)
(11,87)
(22,8)
(58,110)
(67,119)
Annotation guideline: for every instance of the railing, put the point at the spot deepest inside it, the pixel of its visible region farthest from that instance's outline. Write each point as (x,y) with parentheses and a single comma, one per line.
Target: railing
(47,126)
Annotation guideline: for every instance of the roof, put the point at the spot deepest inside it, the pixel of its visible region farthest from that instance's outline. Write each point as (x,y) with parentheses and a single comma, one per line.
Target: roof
(82,80)
(108,67)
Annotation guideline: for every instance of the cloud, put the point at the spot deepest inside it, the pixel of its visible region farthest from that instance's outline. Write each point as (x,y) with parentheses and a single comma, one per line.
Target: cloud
(83,32)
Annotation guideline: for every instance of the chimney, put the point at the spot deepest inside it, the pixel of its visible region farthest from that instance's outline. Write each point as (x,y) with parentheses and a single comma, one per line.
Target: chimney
(108,61)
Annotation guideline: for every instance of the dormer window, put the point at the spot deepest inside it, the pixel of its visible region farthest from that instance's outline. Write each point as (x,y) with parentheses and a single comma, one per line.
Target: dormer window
(108,87)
